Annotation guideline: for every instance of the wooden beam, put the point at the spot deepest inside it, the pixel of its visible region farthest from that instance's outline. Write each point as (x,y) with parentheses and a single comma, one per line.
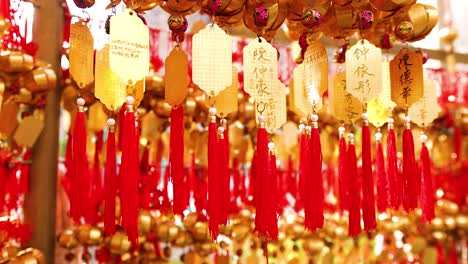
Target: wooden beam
(40,202)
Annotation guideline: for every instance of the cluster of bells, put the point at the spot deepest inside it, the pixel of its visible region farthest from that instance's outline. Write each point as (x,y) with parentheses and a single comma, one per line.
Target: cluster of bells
(384,19)
(159,234)
(11,254)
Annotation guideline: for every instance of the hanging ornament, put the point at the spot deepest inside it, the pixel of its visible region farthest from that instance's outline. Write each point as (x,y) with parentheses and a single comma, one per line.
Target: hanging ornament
(214,191)
(366,19)
(110,180)
(427,190)
(410,185)
(426,109)
(395,184)
(311,18)
(406,75)
(344,106)
(261,16)
(226,101)
(343,180)
(212,60)
(368,196)
(315,72)
(129,51)
(108,88)
(382,183)
(81,54)
(274,108)
(354,217)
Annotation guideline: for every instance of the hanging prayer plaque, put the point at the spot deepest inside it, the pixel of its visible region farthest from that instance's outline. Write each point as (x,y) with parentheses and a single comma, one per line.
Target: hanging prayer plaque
(176,77)
(291,99)
(212,60)
(346,107)
(315,72)
(81,54)
(129,47)
(273,108)
(385,96)
(426,109)
(108,88)
(301,101)
(28,131)
(260,69)
(226,101)
(406,75)
(363,71)
(378,113)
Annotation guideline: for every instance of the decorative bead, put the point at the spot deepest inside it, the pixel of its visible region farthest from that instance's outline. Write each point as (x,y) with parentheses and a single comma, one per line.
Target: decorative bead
(390,120)
(386,41)
(311,18)
(366,19)
(350,136)
(271,145)
(341,130)
(404,30)
(308,129)
(212,6)
(177,23)
(261,16)
(340,54)
(423,138)
(220,130)
(129,100)
(303,41)
(407,119)
(314,117)
(365,116)
(111,122)
(378,136)
(80,101)
(261,119)
(212,111)
(301,127)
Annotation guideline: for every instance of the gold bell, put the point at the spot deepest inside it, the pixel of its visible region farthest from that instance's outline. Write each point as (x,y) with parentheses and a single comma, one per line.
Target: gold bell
(39,79)
(119,243)
(89,235)
(67,239)
(16,61)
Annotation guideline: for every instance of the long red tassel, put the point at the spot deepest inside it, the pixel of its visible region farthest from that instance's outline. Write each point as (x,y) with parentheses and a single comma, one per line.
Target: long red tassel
(394,185)
(427,191)
(176,160)
(342,181)
(78,208)
(272,201)
(382,184)
(354,220)
(410,201)
(110,181)
(368,196)
(224,171)
(130,172)
(261,224)
(214,193)
(313,205)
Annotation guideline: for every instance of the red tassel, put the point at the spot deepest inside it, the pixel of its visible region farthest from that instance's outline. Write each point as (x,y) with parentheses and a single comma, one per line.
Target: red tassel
(110,181)
(176,160)
(427,191)
(95,184)
(410,201)
(354,223)
(394,185)
(342,182)
(214,193)
(272,201)
(314,202)
(130,174)
(261,204)
(80,181)
(24,172)
(121,125)
(368,196)
(224,172)
(382,184)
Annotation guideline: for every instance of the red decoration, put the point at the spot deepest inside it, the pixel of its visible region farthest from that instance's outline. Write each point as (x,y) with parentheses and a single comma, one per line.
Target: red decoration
(382,183)
(110,181)
(354,223)
(368,197)
(427,191)
(261,190)
(214,191)
(395,185)
(410,201)
(176,161)
(342,167)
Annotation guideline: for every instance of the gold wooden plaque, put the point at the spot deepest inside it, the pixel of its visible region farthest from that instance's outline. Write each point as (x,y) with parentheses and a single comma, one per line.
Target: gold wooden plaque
(260,69)
(212,59)
(81,54)
(315,72)
(129,47)
(406,74)
(363,71)
(346,107)
(426,109)
(108,88)
(28,131)
(176,77)
(8,117)
(226,101)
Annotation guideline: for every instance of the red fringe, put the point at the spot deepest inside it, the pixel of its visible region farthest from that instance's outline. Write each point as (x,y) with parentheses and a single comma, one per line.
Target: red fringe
(261,197)
(214,192)
(121,125)
(272,202)
(110,185)
(394,186)
(410,201)
(303,170)
(382,184)
(368,196)
(176,161)
(427,191)
(80,181)
(130,177)
(354,224)
(343,182)
(314,194)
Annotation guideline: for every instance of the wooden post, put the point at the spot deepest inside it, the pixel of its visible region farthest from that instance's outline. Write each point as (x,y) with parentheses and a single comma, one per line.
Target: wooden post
(40,203)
